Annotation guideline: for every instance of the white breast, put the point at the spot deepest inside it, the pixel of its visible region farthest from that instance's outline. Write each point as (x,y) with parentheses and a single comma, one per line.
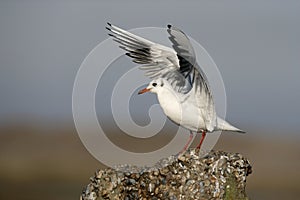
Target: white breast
(184,113)
(170,105)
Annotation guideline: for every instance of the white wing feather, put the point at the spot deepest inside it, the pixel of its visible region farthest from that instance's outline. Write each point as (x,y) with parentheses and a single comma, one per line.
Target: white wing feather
(177,65)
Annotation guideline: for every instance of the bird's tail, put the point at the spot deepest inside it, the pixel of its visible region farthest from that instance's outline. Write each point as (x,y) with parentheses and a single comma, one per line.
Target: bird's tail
(222,125)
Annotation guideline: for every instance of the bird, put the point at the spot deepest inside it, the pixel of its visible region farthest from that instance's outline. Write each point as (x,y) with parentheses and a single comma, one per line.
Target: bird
(181,86)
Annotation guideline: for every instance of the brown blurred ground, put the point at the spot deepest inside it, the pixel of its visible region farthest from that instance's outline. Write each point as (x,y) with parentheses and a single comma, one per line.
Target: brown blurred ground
(52,163)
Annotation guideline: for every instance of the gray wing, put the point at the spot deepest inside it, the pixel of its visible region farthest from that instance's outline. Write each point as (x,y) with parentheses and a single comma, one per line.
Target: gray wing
(157,60)
(196,77)
(177,65)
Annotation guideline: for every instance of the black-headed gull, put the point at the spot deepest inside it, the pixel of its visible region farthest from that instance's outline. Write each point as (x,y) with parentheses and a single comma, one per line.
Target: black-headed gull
(181,86)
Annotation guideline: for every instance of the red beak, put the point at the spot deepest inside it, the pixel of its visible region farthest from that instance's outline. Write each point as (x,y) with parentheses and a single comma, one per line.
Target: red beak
(143,91)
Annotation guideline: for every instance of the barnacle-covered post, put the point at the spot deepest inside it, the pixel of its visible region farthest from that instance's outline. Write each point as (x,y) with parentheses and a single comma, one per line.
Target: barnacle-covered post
(218,175)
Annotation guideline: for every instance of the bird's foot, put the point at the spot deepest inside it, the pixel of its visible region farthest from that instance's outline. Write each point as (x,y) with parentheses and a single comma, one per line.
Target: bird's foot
(197,150)
(180,152)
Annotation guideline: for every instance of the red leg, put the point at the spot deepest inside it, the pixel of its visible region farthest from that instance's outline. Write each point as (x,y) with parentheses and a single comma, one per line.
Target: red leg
(188,143)
(202,139)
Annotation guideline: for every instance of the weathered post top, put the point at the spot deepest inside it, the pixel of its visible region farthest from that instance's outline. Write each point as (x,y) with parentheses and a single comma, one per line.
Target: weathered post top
(218,175)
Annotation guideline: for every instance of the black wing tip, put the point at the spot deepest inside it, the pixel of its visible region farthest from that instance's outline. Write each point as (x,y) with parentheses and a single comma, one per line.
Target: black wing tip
(169,26)
(109,26)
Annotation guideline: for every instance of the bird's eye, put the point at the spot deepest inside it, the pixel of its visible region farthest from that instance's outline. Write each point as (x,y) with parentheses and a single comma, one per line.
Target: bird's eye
(154,84)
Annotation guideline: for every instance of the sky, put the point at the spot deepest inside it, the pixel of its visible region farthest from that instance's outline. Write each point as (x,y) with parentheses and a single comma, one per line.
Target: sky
(255,45)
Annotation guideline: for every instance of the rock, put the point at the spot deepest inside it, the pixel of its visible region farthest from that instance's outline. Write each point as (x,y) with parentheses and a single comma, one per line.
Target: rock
(218,175)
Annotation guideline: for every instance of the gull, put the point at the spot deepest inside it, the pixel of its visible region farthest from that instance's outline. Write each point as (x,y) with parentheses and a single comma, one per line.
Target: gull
(181,86)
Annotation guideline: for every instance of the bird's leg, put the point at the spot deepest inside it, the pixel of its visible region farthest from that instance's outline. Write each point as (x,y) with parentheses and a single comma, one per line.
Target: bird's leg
(187,144)
(202,139)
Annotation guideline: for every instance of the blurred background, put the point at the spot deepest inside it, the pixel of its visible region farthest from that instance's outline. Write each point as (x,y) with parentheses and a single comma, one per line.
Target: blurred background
(255,44)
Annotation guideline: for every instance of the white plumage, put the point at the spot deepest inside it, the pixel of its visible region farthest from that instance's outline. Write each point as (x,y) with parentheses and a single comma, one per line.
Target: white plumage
(181,86)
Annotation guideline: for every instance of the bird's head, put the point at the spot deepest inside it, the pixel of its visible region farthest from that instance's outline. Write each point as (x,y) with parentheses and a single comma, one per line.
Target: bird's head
(154,86)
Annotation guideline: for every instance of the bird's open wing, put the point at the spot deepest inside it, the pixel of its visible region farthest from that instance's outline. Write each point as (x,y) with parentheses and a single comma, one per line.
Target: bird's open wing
(158,60)
(190,69)
(177,65)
